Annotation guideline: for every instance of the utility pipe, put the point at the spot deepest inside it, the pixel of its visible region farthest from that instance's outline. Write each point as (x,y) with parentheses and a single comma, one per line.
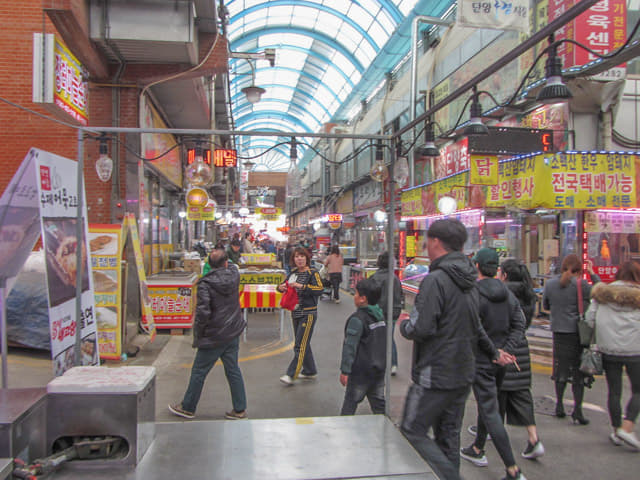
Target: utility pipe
(414,78)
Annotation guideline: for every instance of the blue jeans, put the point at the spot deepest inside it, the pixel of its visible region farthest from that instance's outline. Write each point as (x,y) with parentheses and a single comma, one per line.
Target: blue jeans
(358,388)
(202,364)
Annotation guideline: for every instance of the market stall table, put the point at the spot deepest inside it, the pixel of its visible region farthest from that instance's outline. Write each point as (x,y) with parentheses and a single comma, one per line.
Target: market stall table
(260,296)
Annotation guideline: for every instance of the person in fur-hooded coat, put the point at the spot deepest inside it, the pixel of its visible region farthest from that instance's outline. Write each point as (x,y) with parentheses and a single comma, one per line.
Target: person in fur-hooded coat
(615,313)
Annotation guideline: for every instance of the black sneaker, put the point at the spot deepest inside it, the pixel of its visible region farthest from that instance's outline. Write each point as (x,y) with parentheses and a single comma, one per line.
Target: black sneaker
(478,459)
(533,451)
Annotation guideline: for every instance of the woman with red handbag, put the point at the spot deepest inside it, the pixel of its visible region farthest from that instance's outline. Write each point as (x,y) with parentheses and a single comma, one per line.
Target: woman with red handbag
(308,285)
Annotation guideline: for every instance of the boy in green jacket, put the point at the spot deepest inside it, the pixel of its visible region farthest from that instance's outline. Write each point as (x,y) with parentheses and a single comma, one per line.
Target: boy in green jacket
(364,351)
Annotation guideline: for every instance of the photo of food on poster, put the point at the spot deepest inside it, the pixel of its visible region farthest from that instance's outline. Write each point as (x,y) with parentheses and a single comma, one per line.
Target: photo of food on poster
(58,202)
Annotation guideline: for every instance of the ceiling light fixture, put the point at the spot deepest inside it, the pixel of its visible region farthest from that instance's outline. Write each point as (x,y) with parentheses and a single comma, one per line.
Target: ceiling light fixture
(475,125)
(555,91)
(379,171)
(429,148)
(104,163)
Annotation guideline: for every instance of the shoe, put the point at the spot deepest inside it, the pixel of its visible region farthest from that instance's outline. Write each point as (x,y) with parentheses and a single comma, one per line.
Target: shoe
(473,430)
(306,377)
(233,415)
(519,476)
(560,410)
(579,418)
(533,451)
(617,441)
(181,412)
(337,300)
(628,438)
(478,459)
(394,370)
(286,379)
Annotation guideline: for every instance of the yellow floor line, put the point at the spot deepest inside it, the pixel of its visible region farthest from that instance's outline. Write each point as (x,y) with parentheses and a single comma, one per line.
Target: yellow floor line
(540,368)
(277,351)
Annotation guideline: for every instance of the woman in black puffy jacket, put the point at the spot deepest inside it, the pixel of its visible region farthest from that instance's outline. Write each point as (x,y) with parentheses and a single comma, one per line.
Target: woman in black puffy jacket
(514,397)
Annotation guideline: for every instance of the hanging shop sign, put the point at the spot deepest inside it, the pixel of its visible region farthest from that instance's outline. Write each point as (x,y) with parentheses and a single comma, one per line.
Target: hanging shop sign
(512,15)
(575,180)
(484,170)
(198,205)
(602,28)
(58,79)
(225,157)
(334,220)
(269,213)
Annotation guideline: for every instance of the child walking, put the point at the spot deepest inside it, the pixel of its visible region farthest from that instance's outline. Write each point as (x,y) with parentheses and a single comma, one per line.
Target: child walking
(364,351)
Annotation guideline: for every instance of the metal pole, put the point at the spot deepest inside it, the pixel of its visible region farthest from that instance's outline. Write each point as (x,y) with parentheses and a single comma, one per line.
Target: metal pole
(79,249)
(3,333)
(389,312)
(414,79)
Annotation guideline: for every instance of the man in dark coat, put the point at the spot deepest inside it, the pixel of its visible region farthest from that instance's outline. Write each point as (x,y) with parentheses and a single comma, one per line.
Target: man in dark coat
(217,328)
(446,330)
(504,322)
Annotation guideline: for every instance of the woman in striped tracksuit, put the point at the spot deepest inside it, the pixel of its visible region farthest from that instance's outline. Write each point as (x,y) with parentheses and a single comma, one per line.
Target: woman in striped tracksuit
(307,282)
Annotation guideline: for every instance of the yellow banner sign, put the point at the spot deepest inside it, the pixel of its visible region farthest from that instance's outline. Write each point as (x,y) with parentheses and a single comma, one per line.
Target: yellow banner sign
(484,170)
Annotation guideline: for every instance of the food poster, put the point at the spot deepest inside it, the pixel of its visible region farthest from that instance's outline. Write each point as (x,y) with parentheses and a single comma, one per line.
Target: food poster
(146,322)
(58,197)
(105,244)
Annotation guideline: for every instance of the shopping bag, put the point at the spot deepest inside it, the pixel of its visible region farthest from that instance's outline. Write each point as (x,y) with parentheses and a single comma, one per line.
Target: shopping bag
(289,298)
(591,361)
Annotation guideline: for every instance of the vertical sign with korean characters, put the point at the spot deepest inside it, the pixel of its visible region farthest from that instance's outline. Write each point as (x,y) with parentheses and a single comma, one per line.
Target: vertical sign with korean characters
(602,28)
(105,243)
(147,322)
(58,196)
(484,170)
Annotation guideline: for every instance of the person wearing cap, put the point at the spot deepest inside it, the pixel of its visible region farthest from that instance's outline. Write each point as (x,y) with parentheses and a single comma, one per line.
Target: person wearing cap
(504,322)
(445,328)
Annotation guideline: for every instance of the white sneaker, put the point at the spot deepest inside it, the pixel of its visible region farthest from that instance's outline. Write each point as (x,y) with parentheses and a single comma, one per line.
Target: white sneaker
(615,440)
(533,451)
(286,379)
(628,438)
(307,377)
(394,370)
(337,300)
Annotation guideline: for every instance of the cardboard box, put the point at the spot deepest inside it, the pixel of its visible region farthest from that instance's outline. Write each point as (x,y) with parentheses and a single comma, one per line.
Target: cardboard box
(194,266)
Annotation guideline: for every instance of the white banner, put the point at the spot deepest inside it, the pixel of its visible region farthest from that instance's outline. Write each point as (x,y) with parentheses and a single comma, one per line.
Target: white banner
(495,14)
(58,200)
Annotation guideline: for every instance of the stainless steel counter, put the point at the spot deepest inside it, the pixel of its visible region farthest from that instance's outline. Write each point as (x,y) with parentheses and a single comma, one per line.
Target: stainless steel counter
(361,446)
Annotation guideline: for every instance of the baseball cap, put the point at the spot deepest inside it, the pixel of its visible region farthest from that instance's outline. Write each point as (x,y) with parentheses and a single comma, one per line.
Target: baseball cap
(486,256)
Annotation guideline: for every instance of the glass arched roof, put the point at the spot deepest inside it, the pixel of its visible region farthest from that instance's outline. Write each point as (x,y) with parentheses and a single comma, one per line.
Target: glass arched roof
(323,49)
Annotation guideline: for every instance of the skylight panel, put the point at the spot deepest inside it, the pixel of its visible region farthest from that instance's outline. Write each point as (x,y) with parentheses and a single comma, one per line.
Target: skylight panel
(386,22)
(405,6)
(340,5)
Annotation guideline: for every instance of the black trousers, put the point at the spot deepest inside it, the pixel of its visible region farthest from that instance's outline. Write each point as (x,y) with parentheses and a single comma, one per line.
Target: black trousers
(613,373)
(441,410)
(485,389)
(336,279)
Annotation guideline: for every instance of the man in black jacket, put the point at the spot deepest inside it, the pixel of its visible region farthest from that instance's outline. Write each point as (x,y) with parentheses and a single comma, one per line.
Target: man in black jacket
(446,330)
(504,322)
(217,328)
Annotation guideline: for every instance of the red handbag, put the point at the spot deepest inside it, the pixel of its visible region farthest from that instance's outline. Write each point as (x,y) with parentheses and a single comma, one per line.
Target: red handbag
(289,298)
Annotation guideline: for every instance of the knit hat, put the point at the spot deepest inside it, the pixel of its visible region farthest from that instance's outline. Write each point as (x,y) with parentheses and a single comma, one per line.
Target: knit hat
(486,256)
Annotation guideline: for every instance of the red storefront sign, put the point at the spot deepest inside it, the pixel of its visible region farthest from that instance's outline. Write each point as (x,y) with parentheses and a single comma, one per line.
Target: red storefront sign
(602,28)
(454,158)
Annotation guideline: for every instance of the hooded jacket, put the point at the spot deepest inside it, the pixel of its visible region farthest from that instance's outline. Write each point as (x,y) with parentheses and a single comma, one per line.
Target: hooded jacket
(501,316)
(365,344)
(445,326)
(218,316)
(615,311)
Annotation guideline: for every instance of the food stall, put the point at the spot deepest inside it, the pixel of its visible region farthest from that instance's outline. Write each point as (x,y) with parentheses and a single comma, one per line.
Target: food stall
(260,268)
